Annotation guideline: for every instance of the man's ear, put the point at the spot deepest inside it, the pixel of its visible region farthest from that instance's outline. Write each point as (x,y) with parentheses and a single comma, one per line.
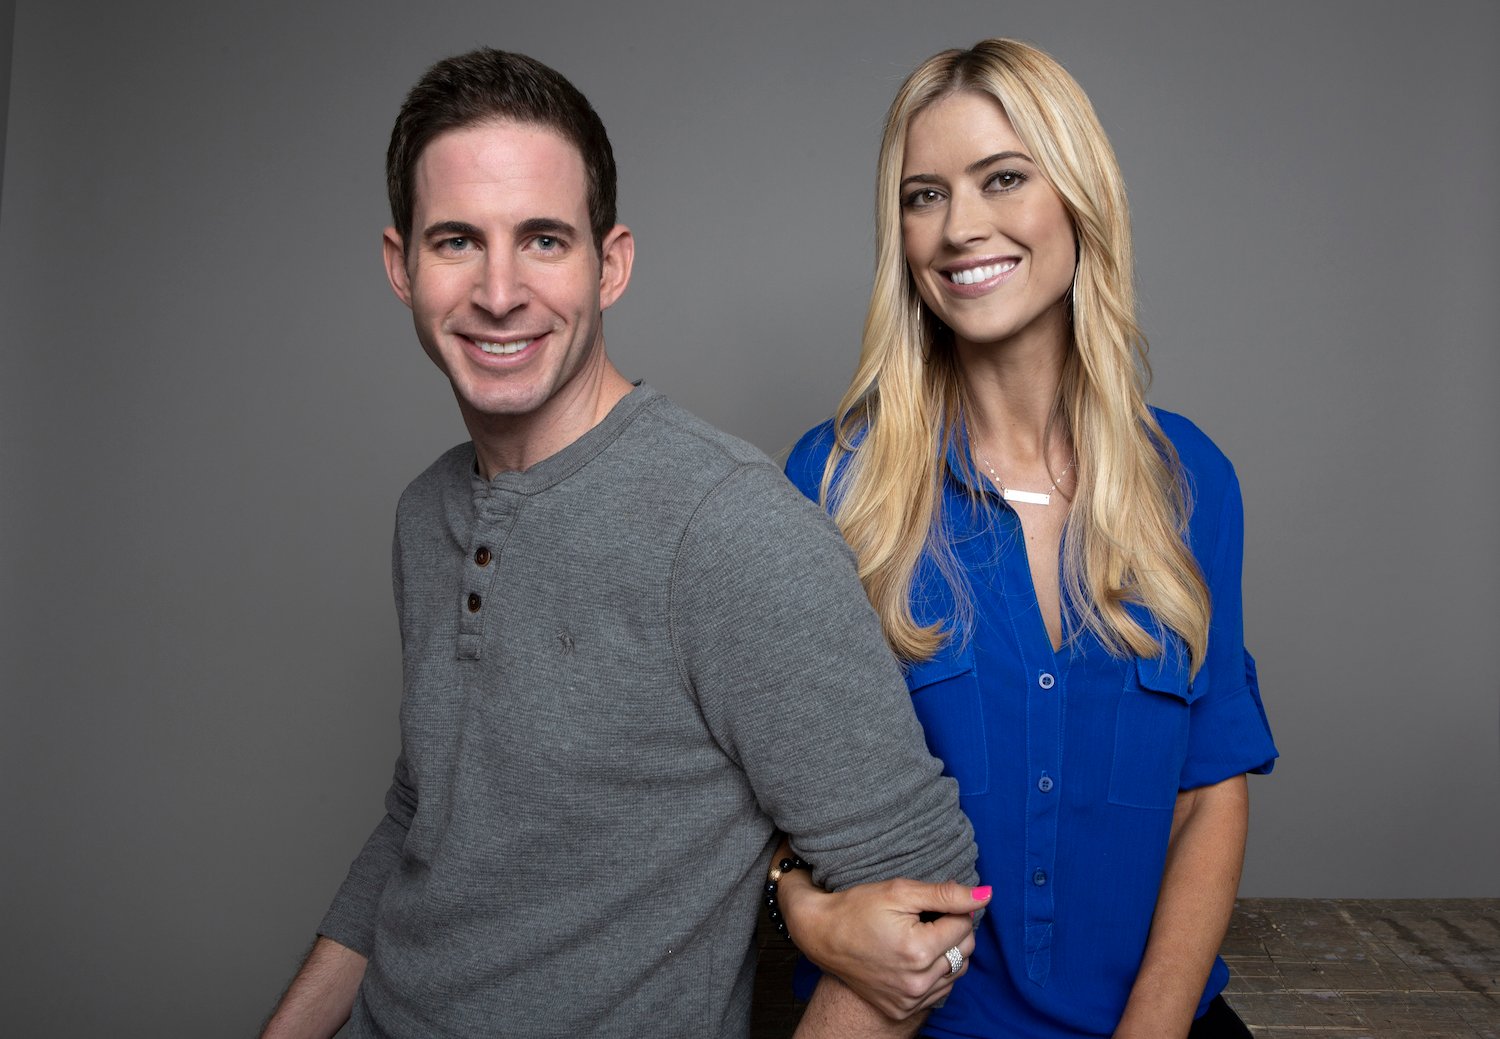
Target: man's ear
(395,265)
(616,258)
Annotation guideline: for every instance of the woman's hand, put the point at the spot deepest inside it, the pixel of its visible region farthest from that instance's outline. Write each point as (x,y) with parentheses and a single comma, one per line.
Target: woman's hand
(872,938)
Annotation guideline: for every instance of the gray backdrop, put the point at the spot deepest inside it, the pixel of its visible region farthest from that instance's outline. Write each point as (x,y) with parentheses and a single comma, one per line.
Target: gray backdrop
(209,401)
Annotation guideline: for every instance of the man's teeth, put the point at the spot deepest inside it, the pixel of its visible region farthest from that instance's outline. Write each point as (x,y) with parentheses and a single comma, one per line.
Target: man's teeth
(504,348)
(975,275)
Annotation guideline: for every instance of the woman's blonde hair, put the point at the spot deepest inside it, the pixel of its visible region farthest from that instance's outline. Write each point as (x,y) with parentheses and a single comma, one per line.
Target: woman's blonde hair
(1124,541)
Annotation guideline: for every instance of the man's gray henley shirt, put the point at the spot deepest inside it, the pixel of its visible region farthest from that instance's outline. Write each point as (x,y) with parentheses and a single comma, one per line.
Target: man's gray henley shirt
(625,669)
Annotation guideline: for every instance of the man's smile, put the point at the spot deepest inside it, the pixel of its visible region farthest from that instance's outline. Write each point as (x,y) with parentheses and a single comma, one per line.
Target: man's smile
(504,349)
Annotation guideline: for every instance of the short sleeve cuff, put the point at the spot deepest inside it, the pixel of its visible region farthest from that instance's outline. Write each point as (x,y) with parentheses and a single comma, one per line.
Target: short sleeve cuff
(1228,736)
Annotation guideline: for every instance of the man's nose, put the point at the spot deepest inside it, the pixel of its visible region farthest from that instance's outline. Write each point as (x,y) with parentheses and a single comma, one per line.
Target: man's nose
(500,285)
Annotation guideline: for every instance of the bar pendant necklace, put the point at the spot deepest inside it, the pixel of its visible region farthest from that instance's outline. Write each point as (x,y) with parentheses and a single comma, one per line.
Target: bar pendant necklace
(1029,497)
(1024,497)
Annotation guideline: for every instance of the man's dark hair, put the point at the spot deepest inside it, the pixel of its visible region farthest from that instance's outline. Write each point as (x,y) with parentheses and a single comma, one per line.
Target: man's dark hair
(492,85)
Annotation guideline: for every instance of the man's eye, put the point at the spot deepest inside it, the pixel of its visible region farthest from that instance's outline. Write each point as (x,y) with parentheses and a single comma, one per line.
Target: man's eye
(456,244)
(547,243)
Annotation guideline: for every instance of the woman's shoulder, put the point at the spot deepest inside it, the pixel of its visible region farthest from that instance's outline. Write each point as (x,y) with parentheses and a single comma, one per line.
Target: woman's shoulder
(1216,509)
(805,464)
(1208,467)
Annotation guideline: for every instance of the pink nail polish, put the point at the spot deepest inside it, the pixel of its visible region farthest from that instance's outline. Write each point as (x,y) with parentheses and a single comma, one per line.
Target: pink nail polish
(981,893)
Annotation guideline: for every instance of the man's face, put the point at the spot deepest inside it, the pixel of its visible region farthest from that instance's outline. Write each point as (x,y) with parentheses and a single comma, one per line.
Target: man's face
(501,274)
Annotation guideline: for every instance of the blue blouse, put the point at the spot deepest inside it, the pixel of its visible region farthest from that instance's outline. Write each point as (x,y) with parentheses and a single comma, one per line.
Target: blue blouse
(1069,762)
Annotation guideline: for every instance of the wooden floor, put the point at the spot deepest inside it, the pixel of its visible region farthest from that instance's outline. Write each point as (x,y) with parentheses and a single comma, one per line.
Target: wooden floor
(1377,969)
(1345,968)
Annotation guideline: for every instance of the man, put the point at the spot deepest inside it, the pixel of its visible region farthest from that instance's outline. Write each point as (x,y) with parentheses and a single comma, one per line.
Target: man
(632,652)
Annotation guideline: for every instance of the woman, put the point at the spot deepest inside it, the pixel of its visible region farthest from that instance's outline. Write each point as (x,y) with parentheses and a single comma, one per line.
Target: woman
(1057,563)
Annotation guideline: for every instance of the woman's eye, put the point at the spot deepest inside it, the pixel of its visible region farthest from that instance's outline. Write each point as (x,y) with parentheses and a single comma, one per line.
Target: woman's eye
(1007,180)
(923,197)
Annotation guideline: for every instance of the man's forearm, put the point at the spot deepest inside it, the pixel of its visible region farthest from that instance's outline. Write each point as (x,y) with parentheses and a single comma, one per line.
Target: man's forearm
(835,1012)
(318,1001)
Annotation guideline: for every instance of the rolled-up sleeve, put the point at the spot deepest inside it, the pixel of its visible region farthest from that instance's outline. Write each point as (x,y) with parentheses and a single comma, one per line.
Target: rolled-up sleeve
(350,920)
(1228,732)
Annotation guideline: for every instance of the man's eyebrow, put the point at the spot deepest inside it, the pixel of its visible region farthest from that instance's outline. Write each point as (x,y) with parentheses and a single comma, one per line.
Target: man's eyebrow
(973,167)
(546,225)
(537,225)
(451,227)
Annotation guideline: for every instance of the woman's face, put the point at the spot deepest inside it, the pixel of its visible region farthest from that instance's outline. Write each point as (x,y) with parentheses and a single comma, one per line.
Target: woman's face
(988,241)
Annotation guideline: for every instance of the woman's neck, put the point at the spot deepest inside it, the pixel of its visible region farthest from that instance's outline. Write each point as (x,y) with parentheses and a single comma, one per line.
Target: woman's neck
(1011,396)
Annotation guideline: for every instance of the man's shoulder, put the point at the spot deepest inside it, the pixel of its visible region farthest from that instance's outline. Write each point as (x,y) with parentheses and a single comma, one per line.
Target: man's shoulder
(668,447)
(666,426)
(730,487)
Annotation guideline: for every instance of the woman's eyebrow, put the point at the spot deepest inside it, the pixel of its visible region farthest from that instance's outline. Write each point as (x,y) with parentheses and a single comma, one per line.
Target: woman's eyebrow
(973,167)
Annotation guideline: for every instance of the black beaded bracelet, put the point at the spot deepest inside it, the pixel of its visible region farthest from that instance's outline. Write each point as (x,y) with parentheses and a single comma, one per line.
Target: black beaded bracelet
(772,880)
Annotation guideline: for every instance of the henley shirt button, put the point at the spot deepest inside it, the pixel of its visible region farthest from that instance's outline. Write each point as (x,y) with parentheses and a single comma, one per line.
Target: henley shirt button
(1039,878)
(1044,784)
(482,557)
(1045,680)
(474,603)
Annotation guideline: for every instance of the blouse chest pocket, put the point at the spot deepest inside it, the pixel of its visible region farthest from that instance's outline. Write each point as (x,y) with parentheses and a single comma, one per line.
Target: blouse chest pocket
(1151,732)
(945,695)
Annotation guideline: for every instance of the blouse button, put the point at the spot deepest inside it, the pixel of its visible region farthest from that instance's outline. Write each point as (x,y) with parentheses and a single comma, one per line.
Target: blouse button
(1039,878)
(1044,784)
(474,603)
(482,557)
(1045,680)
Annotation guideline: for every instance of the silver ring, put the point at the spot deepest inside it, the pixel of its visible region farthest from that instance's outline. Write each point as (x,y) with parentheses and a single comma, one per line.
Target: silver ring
(955,960)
